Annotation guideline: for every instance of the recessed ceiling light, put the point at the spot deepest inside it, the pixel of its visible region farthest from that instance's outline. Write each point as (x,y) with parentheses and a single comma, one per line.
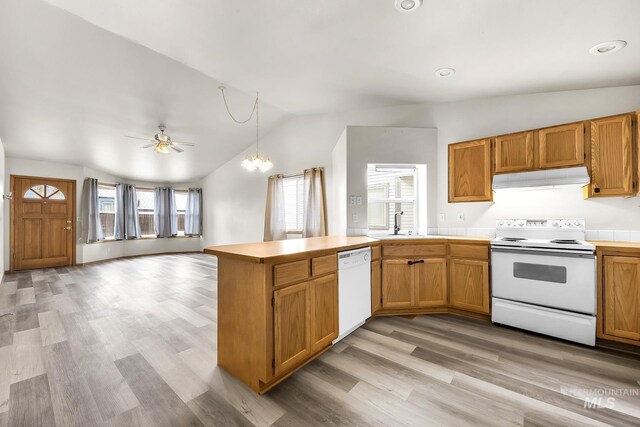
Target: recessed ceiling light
(408,5)
(445,72)
(607,47)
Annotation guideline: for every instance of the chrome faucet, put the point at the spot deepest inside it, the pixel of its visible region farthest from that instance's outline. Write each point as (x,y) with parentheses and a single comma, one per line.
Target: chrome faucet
(396,222)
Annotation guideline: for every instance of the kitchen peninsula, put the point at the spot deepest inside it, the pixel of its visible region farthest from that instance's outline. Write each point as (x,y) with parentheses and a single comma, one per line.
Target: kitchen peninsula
(278,301)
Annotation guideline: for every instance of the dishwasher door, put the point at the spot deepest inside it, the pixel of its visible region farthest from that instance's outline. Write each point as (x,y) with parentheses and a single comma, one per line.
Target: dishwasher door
(354,290)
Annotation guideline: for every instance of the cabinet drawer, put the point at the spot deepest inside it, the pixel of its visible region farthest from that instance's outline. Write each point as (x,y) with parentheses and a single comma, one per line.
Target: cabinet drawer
(469,251)
(414,250)
(290,272)
(375,252)
(324,264)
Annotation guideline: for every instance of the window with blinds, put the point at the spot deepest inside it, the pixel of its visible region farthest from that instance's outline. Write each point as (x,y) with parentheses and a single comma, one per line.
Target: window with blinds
(293,203)
(391,189)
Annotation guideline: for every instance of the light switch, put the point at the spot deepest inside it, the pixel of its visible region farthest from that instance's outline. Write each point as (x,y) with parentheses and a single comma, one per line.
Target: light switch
(443,217)
(352,200)
(460,216)
(359,200)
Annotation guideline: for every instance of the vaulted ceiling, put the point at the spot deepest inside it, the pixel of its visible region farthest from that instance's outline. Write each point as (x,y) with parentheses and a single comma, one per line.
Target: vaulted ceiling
(80,74)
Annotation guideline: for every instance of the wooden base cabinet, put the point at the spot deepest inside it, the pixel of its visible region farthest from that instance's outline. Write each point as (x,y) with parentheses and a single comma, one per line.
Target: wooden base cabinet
(469,283)
(292,321)
(376,286)
(305,320)
(621,295)
(411,283)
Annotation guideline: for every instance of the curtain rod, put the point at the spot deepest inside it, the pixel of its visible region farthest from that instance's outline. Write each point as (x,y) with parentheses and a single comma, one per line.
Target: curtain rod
(139,187)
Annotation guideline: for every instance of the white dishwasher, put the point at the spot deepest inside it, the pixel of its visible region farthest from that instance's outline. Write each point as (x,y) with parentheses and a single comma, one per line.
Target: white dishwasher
(354,290)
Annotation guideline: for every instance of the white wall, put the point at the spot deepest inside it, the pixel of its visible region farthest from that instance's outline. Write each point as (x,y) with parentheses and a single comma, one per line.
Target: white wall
(373,144)
(234,199)
(4,219)
(95,251)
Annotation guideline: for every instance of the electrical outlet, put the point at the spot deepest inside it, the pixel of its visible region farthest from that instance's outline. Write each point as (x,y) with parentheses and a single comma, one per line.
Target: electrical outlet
(460,216)
(443,217)
(354,218)
(359,200)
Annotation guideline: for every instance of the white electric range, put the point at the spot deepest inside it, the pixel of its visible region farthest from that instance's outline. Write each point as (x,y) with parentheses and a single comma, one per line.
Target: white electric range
(544,278)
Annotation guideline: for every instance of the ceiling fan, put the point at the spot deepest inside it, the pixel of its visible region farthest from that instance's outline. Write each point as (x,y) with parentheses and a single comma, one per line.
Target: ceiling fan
(162,142)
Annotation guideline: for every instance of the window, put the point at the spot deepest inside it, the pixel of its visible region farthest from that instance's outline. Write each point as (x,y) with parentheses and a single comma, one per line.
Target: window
(181,207)
(107,209)
(293,203)
(391,189)
(146,207)
(44,192)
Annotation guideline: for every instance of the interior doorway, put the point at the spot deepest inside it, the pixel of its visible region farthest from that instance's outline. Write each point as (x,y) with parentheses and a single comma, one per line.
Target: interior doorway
(43,230)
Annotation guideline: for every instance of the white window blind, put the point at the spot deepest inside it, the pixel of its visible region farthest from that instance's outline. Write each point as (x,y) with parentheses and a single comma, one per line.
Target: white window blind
(293,202)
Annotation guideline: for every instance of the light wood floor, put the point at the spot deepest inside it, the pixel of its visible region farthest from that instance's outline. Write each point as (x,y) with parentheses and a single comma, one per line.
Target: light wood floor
(133,342)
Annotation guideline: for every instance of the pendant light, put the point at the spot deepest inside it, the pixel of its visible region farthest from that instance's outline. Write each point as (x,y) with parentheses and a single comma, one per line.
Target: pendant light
(251,162)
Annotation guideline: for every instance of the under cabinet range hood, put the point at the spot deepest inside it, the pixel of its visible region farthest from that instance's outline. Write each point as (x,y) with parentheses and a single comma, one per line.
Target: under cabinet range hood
(578,176)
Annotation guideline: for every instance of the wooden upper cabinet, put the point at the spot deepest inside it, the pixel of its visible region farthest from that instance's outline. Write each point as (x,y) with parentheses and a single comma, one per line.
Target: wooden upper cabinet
(622,297)
(324,311)
(397,284)
(612,156)
(513,153)
(431,283)
(561,146)
(470,171)
(469,282)
(292,343)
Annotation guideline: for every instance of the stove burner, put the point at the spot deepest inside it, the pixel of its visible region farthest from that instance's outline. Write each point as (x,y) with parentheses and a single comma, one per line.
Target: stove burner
(513,239)
(565,242)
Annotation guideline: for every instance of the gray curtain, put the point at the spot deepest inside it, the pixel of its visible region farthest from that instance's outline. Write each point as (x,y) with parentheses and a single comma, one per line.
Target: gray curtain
(275,227)
(193,213)
(127,222)
(314,223)
(92,228)
(165,215)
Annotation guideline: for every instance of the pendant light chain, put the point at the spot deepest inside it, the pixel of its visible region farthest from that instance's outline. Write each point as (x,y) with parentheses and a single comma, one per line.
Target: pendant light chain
(240,122)
(251,163)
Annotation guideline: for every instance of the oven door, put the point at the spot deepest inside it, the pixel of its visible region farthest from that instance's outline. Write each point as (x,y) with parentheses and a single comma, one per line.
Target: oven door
(560,280)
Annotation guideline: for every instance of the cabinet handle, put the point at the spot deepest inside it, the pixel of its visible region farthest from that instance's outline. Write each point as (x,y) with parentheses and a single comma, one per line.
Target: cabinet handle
(420,261)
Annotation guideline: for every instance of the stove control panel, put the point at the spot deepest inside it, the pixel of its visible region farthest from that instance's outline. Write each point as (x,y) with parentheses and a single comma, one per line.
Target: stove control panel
(542,224)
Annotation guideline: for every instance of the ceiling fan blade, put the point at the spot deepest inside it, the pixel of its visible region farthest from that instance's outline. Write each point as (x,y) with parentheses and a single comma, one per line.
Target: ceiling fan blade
(137,137)
(178,149)
(185,144)
(148,145)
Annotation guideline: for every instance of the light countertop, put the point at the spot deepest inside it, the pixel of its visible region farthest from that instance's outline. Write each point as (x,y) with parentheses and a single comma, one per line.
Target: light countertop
(261,251)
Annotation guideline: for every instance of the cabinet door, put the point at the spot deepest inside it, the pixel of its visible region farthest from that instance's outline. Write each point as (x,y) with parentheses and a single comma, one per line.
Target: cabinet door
(513,153)
(324,311)
(561,146)
(376,286)
(622,297)
(470,171)
(291,326)
(431,283)
(469,281)
(397,284)
(611,157)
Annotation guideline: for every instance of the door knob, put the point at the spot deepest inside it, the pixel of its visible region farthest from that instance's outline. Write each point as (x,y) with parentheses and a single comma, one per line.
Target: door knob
(68,221)
(67,228)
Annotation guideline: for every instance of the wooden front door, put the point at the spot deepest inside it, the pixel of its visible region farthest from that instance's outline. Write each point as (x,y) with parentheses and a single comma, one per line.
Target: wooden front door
(42,225)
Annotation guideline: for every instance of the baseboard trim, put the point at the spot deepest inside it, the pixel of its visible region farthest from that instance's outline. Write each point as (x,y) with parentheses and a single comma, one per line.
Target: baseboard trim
(138,256)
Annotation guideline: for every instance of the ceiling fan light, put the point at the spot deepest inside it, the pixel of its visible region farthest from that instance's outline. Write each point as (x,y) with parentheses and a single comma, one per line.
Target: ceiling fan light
(161,149)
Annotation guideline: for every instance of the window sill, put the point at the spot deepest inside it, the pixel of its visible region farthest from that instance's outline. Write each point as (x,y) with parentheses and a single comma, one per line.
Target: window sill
(143,238)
